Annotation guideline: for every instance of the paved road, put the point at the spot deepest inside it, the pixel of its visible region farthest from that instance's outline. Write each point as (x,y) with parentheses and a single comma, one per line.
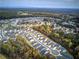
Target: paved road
(39,41)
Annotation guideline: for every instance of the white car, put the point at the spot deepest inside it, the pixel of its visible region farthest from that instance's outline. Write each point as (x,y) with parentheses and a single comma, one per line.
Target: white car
(31,40)
(30,37)
(41,37)
(45,40)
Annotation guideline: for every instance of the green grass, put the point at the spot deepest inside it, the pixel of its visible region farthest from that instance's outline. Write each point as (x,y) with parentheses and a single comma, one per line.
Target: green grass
(2,56)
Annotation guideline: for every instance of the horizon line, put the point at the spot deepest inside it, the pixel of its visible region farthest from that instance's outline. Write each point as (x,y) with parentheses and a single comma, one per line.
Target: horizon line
(35,7)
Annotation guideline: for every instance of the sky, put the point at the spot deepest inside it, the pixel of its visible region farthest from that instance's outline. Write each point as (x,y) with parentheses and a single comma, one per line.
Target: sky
(39,3)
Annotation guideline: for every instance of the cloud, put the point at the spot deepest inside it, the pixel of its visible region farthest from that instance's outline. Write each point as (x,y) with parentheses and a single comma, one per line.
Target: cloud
(39,3)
